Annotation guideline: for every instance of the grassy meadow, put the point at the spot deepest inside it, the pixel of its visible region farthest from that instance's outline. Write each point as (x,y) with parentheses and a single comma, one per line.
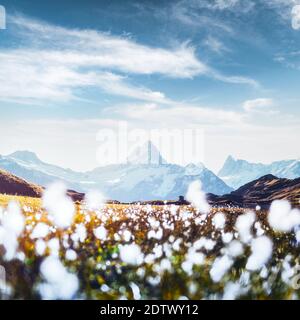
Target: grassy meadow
(146,252)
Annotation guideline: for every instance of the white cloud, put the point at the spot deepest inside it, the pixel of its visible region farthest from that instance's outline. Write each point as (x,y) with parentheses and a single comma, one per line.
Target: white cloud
(53,62)
(232,5)
(99,49)
(30,74)
(258,104)
(235,79)
(215,45)
(225,4)
(240,6)
(203,13)
(288,10)
(296,17)
(186,13)
(178,114)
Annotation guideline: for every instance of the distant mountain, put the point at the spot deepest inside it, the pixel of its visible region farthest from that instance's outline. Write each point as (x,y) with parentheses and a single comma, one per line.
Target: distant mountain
(145,176)
(28,166)
(133,182)
(261,192)
(12,185)
(26,156)
(236,173)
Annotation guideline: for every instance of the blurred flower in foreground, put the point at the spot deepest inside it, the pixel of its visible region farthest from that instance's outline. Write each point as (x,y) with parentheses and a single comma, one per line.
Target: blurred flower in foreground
(282,217)
(197,197)
(60,284)
(13,223)
(59,205)
(94,200)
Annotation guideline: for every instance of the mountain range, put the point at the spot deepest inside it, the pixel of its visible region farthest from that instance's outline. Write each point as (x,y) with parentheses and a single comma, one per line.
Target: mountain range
(261,192)
(236,173)
(146,175)
(138,179)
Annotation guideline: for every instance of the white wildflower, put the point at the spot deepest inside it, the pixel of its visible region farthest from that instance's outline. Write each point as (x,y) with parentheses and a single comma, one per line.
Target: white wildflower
(219,268)
(71,255)
(59,205)
(53,245)
(243,224)
(131,254)
(60,284)
(197,197)
(232,291)
(235,248)
(219,220)
(94,200)
(41,230)
(282,217)
(261,252)
(40,247)
(100,233)
(135,291)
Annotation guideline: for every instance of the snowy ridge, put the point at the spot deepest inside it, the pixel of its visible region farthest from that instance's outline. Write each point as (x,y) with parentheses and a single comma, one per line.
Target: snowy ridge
(132,181)
(239,172)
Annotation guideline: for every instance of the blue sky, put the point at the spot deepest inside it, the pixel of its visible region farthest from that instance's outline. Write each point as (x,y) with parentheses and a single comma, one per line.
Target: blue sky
(229,67)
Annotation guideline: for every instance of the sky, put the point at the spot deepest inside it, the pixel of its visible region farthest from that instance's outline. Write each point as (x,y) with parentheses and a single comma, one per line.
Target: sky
(231,68)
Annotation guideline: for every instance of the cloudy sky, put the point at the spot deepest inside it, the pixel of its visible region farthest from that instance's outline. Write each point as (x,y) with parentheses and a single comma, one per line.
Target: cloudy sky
(229,67)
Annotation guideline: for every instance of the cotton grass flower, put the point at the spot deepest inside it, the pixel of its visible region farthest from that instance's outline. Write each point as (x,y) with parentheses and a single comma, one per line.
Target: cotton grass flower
(94,200)
(243,224)
(197,197)
(282,217)
(60,284)
(131,254)
(235,248)
(261,252)
(100,233)
(220,267)
(219,220)
(59,206)
(13,223)
(41,230)
(232,291)
(71,255)
(40,247)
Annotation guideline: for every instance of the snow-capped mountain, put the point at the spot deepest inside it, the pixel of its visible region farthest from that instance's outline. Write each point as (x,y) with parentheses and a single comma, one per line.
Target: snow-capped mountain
(28,166)
(236,173)
(132,182)
(145,176)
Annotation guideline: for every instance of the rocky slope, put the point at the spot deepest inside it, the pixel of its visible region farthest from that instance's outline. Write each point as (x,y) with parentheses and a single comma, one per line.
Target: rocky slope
(261,192)
(12,185)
